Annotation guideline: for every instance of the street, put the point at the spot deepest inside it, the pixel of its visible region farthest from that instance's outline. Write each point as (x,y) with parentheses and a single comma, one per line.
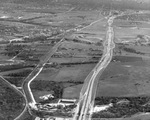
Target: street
(88,92)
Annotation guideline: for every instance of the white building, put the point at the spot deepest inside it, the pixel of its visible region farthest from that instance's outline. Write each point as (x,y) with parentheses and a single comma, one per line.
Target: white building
(46,97)
(99,108)
(66,102)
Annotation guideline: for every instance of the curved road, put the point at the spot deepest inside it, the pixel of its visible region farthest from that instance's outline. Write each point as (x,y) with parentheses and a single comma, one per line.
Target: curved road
(27,93)
(26,84)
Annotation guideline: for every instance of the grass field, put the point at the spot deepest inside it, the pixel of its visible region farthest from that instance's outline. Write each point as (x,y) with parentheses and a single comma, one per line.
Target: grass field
(125,78)
(72,92)
(76,52)
(67,76)
(64,73)
(127,30)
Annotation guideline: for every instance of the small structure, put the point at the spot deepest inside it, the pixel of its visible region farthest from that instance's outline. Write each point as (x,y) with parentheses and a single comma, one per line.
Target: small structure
(99,108)
(66,102)
(46,97)
(4,17)
(16,39)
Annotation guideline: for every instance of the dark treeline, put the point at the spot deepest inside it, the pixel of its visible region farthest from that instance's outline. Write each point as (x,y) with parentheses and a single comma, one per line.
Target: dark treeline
(122,106)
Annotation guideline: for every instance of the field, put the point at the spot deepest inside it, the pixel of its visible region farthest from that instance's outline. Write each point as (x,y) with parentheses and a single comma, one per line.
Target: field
(126,78)
(29,30)
(130,28)
(94,32)
(67,68)
(68,20)
(72,77)
(76,52)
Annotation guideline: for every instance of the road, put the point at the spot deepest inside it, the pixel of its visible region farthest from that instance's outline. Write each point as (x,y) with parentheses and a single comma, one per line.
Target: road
(30,101)
(26,84)
(29,98)
(88,92)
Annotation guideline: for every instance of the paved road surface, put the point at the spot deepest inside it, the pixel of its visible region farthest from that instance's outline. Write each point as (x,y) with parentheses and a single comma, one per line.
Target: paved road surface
(88,91)
(35,73)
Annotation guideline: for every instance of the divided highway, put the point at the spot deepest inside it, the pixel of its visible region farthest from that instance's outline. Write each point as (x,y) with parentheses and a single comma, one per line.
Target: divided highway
(88,92)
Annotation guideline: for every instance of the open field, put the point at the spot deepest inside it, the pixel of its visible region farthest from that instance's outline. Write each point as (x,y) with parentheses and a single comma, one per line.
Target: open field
(124,83)
(76,52)
(66,73)
(132,24)
(131,32)
(126,78)
(132,50)
(94,32)
(67,68)
(68,77)
(68,20)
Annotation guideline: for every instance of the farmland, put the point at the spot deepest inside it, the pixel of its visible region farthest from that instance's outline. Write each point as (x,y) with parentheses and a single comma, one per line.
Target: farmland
(51,51)
(27,33)
(127,75)
(67,68)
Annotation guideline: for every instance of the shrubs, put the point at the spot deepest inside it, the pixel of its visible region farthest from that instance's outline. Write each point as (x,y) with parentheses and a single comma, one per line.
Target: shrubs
(24,73)
(124,109)
(13,50)
(57,88)
(11,103)
(15,67)
(17,81)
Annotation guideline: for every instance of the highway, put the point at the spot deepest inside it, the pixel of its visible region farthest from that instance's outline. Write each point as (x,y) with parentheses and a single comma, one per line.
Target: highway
(88,91)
